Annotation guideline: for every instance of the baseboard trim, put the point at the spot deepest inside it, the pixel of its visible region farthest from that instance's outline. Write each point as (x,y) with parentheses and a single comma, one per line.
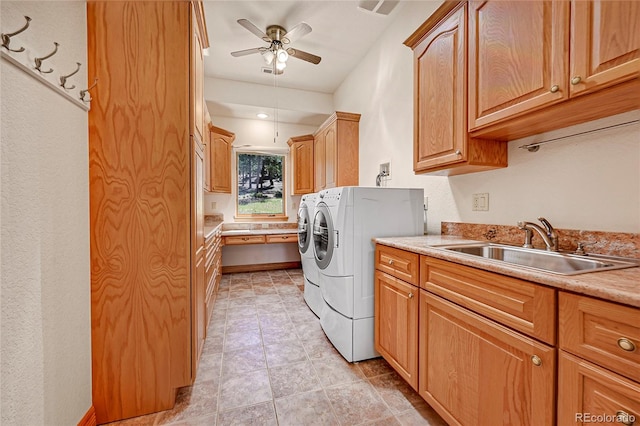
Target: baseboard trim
(260,267)
(89,418)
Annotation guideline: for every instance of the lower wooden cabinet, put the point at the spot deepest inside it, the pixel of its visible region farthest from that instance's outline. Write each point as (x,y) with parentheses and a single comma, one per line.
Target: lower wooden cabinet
(591,394)
(396,325)
(213,270)
(474,371)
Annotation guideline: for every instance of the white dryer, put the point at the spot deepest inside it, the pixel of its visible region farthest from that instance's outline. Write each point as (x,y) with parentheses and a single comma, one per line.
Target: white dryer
(345,221)
(312,294)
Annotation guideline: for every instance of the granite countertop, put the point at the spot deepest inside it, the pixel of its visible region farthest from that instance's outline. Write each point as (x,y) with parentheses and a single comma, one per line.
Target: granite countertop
(210,228)
(622,285)
(231,232)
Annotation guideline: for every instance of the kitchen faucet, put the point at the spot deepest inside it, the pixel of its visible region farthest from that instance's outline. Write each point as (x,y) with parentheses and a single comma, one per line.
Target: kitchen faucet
(548,234)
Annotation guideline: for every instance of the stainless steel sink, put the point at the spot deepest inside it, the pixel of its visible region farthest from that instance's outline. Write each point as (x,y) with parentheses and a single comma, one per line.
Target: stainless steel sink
(548,261)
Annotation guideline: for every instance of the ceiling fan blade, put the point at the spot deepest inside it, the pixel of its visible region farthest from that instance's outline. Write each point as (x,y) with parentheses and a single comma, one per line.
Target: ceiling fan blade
(300,54)
(255,30)
(300,30)
(248,51)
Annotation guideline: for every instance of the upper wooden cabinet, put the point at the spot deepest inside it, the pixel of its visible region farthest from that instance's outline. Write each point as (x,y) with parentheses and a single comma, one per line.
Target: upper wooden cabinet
(197,72)
(145,186)
(605,44)
(220,159)
(301,149)
(207,150)
(441,140)
(527,57)
(517,57)
(336,151)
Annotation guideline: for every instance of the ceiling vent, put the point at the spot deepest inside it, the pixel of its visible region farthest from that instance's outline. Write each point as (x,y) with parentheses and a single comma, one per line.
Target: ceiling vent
(381,7)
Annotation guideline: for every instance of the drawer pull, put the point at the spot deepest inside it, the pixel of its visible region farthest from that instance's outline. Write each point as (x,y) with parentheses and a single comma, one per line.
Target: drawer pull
(535,359)
(554,88)
(390,261)
(625,418)
(410,295)
(575,80)
(285,238)
(626,344)
(245,238)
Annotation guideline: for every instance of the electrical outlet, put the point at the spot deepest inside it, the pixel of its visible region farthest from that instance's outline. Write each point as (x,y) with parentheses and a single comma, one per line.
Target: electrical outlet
(214,205)
(481,202)
(385,170)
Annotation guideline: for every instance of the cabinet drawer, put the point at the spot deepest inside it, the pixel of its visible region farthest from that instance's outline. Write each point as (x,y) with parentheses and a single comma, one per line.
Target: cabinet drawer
(244,239)
(588,390)
(603,332)
(398,263)
(521,305)
(282,238)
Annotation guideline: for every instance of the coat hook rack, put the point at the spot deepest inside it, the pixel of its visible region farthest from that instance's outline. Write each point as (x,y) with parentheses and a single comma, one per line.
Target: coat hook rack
(83,93)
(6,38)
(38,61)
(63,78)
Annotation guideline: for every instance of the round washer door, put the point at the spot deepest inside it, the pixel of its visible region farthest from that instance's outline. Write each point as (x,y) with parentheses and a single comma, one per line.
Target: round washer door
(304,229)
(323,236)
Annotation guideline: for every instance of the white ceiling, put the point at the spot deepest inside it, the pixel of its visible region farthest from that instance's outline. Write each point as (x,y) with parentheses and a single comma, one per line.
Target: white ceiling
(341,34)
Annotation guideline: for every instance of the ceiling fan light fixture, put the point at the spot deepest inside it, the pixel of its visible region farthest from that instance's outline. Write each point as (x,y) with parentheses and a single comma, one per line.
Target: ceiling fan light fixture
(282,56)
(268,56)
(262,115)
(280,65)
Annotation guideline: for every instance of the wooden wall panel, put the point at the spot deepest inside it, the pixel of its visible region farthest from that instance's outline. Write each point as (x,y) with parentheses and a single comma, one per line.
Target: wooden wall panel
(139,205)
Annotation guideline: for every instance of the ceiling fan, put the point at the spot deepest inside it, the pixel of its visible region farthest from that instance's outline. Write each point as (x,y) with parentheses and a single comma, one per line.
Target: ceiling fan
(277,53)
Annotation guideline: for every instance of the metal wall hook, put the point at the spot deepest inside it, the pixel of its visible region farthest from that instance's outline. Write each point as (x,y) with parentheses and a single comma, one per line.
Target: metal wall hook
(63,78)
(6,38)
(39,60)
(83,93)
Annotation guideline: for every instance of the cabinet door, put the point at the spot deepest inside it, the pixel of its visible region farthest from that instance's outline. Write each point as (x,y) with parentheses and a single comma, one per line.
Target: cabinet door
(396,325)
(517,58)
(331,156)
(198,284)
(440,125)
(197,76)
(586,390)
(302,155)
(319,161)
(207,159)
(605,44)
(221,163)
(475,371)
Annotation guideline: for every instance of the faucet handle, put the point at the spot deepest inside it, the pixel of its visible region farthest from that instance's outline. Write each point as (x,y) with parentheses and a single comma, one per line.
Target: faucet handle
(580,249)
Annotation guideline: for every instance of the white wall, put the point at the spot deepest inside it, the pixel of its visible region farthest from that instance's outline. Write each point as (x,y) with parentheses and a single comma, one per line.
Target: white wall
(587,182)
(45,344)
(256,133)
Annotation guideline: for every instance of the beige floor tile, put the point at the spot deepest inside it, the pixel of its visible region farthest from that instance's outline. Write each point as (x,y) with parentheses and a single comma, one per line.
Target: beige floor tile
(308,409)
(309,330)
(356,403)
(240,324)
(192,402)
(243,339)
(243,361)
(271,319)
(284,353)
(268,299)
(209,368)
(245,389)
(421,415)
(397,393)
(375,367)
(292,379)
(334,371)
(279,333)
(259,414)
(319,348)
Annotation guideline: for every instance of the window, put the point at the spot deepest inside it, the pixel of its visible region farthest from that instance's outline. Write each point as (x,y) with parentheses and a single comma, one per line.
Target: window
(261,191)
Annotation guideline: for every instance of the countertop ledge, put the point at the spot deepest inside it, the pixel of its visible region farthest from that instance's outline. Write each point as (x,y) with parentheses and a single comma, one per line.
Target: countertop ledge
(210,229)
(237,232)
(622,285)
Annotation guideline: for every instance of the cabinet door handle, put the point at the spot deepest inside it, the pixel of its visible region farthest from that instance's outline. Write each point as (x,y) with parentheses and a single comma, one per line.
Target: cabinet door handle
(390,261)
(535,359)
(554,88)
(625,418)
(575,80)
(626,344)
(458,152)
(245,238)
(410,295)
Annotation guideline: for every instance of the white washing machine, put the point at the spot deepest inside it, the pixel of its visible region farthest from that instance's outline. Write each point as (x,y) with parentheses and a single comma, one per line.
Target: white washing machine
(345,221)
(312,294)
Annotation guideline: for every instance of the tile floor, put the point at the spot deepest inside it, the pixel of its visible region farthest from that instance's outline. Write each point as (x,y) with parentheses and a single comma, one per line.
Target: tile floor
(266,361)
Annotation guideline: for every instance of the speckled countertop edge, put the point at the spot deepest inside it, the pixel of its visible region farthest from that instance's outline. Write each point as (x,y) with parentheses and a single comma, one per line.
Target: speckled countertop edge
(229,233)
(209,229)
(622,285)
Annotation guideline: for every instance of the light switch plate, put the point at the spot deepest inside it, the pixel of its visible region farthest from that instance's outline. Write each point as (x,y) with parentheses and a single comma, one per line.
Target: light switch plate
(481,202)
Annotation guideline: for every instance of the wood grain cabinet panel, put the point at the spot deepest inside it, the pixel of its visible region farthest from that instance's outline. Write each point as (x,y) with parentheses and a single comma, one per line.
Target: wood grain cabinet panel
(475,371)
(221,148)
(605,44)
(396,325)
(524,306)
(586,391)
(441,139)
(517,58)
(244,239)
(605,333)
(281,238)
(302,157)
(336,149)
(398,263)
(145,184)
